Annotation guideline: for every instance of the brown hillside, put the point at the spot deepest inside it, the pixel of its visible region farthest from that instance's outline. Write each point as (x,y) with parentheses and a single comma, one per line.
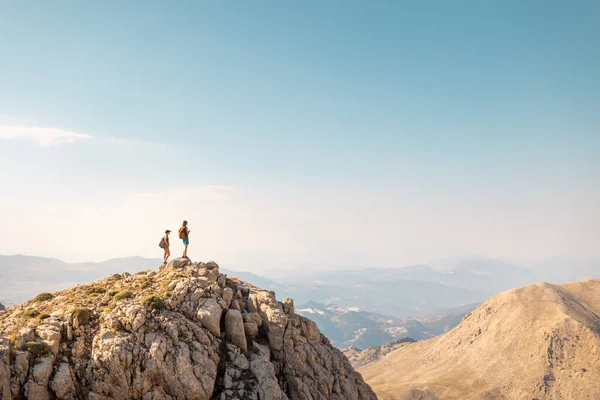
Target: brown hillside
(537,342)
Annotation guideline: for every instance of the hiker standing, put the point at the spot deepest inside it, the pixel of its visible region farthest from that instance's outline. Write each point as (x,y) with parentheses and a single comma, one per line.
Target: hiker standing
(164,243)
(184,233)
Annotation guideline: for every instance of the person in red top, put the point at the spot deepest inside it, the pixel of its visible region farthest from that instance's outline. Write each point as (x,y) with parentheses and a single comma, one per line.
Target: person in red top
(184,233)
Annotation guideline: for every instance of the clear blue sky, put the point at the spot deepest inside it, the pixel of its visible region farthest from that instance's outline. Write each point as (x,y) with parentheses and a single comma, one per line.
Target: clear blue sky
(464,110)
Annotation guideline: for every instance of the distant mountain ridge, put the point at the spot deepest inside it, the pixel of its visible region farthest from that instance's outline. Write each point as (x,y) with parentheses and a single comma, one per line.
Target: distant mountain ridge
(30,275)
(419,300)
(351,327)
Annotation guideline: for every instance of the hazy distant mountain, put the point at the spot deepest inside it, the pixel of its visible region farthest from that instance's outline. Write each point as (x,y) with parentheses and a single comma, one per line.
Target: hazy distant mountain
(422,290)
(536,342)
(347,327)
(373,292)
(29,275)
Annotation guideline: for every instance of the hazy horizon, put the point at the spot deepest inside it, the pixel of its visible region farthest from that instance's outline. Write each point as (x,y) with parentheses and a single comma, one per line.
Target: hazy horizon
(295,134)
(439,265)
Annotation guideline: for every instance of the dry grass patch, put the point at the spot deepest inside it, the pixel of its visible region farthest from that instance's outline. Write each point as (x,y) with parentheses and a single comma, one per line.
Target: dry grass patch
(122,295)
(96,290)
(32,313)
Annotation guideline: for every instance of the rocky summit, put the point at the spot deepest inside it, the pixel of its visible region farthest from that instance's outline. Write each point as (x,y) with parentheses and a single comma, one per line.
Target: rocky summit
(184,331)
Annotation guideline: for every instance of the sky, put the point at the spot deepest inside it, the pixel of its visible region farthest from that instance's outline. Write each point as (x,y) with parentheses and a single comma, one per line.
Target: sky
(289,134)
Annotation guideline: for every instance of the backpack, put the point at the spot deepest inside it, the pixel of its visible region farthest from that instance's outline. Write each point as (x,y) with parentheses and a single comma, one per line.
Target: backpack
(182,232)
(163,243)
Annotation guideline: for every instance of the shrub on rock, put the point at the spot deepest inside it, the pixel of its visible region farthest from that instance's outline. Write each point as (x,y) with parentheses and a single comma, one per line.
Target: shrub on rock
(153,302)
(37,350)
(83,315)
(42,297)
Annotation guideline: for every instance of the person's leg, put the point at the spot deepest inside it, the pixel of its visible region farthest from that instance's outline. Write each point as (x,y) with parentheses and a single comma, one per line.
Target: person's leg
(167,254)
(186,242)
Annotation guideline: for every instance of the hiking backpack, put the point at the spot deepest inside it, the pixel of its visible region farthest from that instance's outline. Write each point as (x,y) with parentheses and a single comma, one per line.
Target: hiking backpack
(182,232)
(163,243)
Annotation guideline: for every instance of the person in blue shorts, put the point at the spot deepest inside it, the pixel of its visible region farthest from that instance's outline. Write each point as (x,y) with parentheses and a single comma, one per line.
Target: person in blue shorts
(184,234)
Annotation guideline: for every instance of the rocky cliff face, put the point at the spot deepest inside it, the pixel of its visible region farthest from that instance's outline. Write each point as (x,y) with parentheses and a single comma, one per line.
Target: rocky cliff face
(185,331)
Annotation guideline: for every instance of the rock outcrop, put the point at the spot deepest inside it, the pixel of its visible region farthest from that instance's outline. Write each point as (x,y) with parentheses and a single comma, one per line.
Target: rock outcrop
(185,331)
(537,342)
(358,357)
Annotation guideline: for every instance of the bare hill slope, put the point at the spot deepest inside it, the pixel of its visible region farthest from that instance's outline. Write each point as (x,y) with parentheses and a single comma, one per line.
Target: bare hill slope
(537,342)
(185,331)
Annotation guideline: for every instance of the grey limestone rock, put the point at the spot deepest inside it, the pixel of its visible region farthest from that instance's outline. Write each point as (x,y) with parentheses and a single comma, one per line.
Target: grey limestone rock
(185,331)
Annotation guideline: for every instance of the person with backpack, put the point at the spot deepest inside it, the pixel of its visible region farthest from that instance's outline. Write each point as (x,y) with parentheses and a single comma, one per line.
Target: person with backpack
(184,233)
(164,244)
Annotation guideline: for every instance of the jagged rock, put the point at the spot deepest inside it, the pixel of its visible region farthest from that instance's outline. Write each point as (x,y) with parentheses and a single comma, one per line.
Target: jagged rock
(251,329)
(234,329)
(254,318)
(288,305)
(178,263)
(63,383)
(227,296)
(5,370)
(185,331)
(49,331)
(212,265)
(21,366)
(37,385)
(209,315)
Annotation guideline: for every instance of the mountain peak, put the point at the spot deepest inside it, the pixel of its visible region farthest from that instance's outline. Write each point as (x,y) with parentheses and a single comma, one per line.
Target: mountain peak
(184,331)
(551,332)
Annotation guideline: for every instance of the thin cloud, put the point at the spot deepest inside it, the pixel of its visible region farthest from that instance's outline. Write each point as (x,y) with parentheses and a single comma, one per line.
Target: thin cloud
(43,136)
(135,143)
(209,193)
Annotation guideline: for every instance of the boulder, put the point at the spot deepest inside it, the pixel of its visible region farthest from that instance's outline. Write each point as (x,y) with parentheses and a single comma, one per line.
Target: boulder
(212,265)
(234,329)
(209,315)
(63,383)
